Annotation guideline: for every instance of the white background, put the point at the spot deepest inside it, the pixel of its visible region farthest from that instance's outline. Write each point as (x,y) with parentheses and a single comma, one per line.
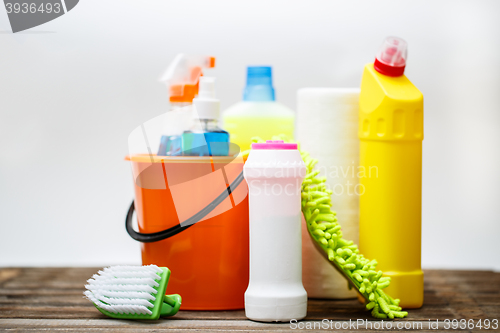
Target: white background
(73,89)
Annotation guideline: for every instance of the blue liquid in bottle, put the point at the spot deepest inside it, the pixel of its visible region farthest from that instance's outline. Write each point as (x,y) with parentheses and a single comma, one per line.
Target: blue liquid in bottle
(210,141)
(170,145)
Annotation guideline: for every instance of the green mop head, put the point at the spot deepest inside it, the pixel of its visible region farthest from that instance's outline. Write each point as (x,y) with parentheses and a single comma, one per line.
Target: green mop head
(324,228)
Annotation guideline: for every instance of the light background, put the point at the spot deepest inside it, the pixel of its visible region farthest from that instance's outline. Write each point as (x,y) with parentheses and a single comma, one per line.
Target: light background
(73,89)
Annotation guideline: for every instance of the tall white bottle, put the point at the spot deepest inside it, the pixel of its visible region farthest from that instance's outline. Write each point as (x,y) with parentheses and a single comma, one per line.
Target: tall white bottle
(274,172)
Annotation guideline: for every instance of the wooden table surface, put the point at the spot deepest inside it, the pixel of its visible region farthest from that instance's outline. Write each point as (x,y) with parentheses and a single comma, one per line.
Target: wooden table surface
(47,299)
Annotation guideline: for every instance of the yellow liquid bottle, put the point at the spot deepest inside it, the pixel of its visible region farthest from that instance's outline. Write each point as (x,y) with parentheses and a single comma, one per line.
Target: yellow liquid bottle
(245,120)
(258,114)
(391,134)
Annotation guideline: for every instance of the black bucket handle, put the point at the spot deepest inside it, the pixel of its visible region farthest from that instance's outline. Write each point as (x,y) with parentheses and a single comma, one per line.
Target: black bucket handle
(164,234)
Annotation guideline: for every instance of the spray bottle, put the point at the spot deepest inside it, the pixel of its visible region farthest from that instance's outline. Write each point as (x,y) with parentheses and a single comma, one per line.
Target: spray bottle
(182,79)
(205,138)
(391,134)
(258,114)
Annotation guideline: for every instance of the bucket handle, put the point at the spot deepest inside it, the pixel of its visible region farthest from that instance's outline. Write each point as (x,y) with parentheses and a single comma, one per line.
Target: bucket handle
(164,234)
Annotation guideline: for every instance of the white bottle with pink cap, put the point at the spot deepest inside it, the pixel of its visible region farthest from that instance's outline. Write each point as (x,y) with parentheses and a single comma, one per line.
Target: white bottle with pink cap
(274,172)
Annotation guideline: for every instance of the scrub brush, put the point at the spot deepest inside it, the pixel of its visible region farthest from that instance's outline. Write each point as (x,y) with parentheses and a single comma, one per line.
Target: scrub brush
(342,254)
(132,292)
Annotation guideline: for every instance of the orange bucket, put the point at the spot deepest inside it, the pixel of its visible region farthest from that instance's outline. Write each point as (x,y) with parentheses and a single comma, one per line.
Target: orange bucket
(209,260)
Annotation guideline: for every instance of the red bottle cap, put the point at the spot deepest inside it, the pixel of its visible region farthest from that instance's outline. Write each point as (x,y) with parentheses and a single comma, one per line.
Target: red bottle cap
(391,59)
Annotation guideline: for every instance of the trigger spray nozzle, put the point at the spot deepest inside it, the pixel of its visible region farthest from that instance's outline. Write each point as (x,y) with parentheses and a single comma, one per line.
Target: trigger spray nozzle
(183,75)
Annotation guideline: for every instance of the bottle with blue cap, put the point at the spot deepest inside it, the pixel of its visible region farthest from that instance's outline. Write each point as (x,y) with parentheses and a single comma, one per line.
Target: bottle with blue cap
(258,114)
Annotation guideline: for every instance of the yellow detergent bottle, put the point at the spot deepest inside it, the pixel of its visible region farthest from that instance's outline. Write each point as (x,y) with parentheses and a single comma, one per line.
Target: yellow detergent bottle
(258,114)
(391,133)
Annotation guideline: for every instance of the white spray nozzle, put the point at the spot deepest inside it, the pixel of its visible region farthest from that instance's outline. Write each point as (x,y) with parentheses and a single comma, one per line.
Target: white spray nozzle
(207,87)
(207,106)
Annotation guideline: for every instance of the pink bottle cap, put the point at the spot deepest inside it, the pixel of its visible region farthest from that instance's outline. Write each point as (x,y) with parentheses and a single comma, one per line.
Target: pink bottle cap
(275,145)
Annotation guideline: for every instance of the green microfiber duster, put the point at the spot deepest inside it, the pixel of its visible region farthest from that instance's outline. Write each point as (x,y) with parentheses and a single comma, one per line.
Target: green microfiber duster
(343,254)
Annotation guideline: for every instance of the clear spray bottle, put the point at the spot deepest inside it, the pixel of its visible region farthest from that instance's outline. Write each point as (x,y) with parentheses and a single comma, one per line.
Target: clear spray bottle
(205,138)
(182,79)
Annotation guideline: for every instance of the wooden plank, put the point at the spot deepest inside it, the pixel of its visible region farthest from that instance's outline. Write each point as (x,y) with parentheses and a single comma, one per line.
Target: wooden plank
(53,295)
(116,325)
(7,274)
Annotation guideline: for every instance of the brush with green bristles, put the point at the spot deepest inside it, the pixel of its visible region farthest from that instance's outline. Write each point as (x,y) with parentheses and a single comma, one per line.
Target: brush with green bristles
(343,255)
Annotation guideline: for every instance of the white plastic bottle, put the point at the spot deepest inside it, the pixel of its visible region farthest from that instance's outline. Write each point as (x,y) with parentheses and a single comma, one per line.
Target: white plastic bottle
(258,114)
(274,172)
